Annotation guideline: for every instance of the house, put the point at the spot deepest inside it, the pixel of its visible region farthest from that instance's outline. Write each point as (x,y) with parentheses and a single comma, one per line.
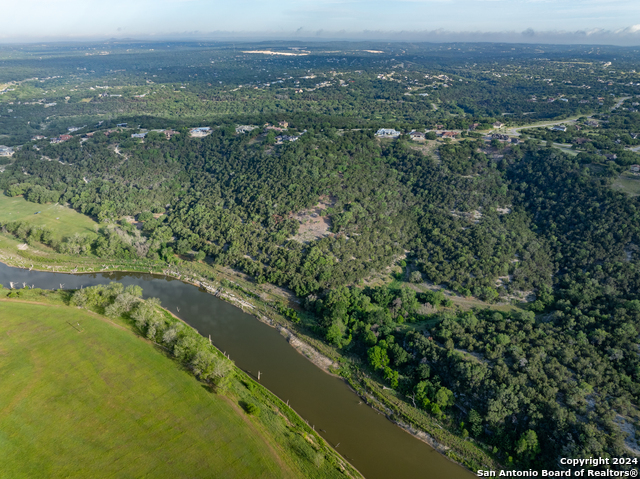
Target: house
(635,169)
(122,125)
(449,134)
(169,133)
(439,127)
(498,124)
(580,141)
(5,151)
(38,137)
(284,124)
(611,157)
(282,138)
(388,133)
(200,132)
(417,135)
(515,141)
(245,128)
(61,138)
(474,126)
(559,128)
(499,136)
(138,135)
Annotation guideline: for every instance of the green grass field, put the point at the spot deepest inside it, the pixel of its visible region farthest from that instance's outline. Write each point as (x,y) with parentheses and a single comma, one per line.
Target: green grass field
(627,183)
(84,397)
(62,220)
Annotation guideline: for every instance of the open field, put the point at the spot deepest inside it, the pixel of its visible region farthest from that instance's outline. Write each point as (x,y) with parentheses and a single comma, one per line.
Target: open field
(85,397)
(62,220)
(627,183)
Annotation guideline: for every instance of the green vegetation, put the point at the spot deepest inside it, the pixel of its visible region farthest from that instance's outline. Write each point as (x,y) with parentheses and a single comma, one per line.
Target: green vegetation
(60,220)
(538,245)
(627,183)
(83,396)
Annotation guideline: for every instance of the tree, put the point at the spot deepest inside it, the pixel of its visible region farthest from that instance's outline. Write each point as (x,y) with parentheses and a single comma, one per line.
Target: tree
(415,277)
(378,357)
(391,376)
(444,397)
(527,445)
(475,419)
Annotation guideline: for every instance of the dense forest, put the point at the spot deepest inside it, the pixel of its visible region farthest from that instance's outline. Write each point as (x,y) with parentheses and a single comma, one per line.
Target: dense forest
(554,372)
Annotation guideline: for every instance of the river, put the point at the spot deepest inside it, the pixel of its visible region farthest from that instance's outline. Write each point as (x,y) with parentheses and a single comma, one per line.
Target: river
(374,445)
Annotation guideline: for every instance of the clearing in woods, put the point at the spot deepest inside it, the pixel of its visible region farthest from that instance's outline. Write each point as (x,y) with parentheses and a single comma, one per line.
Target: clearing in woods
(82,397)
(628,183)
(313,225)
(63,221)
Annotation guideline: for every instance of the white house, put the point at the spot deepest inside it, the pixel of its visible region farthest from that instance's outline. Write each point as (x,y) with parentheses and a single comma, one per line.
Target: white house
(388,133)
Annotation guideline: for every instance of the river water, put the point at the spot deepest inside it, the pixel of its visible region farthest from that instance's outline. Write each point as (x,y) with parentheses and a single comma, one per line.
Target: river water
(375,446)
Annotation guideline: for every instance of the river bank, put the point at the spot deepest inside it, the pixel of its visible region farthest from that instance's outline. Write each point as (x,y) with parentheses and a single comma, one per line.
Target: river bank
(388,403)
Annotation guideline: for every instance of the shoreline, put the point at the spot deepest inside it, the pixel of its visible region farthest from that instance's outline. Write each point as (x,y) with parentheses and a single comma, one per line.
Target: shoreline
(307,350)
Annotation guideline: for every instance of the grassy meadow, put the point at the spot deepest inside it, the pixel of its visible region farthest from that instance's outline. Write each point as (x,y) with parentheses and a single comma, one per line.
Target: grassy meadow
(628,183)
(83,396)
(63,221)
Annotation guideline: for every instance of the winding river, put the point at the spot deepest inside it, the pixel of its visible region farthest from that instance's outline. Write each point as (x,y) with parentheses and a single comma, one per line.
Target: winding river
(374,445)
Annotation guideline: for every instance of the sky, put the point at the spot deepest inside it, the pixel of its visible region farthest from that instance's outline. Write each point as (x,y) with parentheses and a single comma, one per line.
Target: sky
(536,21)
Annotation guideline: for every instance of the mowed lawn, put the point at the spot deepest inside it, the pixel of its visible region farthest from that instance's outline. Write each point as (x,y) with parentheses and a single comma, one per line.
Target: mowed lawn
(62,220)
(94,400)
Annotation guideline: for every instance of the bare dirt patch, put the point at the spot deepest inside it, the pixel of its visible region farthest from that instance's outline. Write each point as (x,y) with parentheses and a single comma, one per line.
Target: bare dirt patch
(23,247)
(313,225)
(427,148)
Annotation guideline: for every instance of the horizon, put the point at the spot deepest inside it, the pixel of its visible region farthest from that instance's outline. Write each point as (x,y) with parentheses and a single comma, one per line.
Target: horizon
(605,22)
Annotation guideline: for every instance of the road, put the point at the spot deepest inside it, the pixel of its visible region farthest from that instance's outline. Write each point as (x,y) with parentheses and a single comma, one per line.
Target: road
(515,130)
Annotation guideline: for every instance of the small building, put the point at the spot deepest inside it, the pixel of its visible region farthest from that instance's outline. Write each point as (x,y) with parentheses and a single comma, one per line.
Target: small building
(474,126)
(499,136)
(515,141)
(60,139)
(635,169)
(169,133)
(38,137)
(283,124)
(122,125)
(6,151)
(498,124)
(449,134)
(245,128)
(200,132)
(388,133)
(611,156)
(559,128)
(282,138)
(417,136)
(580,141)
(138,135)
